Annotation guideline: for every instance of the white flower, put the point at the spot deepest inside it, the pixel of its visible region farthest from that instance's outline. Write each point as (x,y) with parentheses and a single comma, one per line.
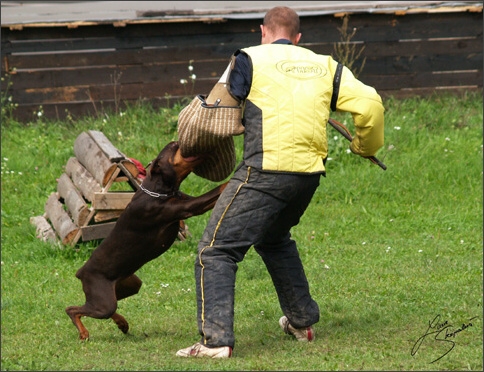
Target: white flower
(363,243)
(397,128)
(183,81)
(193,76)
(190,68)
(420,251)
(335,138)
(447,138)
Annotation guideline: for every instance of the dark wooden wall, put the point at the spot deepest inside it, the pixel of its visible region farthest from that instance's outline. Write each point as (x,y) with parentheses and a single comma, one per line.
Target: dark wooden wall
(88,69)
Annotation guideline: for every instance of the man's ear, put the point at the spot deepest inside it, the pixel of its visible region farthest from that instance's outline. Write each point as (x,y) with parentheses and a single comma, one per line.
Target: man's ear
(297,38)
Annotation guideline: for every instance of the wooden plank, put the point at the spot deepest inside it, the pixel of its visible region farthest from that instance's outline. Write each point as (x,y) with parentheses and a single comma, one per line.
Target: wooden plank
(92,158)
(124,43)
(389,27)
(131,36)
(91,58)
(73,200)
(112,200)
(167,30)
(62,223)
(131,171)
(44,230)
(107,215)
(121,179)
(109,178)
(83,180)
(426,92)
(104,94)
(183,231)
(417,47)
(112,153)
(435,63)
(371,27)
(424,80)
(118,76)
(94,232)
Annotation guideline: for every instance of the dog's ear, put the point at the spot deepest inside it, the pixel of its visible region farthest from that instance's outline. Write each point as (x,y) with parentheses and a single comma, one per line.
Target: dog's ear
(148,168)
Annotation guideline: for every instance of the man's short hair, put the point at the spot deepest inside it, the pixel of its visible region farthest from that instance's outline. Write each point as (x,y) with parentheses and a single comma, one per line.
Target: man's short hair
(282,17)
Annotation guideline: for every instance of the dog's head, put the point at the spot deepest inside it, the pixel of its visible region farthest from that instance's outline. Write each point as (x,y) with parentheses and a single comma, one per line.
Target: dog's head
(170,168)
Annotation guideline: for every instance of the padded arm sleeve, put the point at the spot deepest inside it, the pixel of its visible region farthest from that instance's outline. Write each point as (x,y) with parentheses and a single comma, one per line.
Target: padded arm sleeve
(366,107)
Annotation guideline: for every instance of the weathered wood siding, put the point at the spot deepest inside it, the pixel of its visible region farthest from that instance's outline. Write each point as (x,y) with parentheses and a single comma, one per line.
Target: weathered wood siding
(88,69)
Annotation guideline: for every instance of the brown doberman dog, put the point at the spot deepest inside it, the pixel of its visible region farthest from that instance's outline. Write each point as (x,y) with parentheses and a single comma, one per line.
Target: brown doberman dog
(147,228)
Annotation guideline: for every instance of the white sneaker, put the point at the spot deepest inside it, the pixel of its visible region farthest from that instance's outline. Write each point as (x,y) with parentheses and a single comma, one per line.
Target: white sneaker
(198,350)
(302,334)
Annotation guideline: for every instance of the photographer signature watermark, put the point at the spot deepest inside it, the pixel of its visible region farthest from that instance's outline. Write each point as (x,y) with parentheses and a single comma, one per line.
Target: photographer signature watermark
(442,332)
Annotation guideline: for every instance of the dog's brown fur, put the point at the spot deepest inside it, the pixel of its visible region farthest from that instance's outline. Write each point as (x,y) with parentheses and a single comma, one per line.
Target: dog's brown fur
(147,228)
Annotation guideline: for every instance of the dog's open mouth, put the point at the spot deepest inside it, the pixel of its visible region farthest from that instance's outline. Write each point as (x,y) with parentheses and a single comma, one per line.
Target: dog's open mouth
(190,158)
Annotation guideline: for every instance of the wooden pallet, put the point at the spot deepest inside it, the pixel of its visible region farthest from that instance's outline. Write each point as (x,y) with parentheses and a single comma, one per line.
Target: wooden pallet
(83,205)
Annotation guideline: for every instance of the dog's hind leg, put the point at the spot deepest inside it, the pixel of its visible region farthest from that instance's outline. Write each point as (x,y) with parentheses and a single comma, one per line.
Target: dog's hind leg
(124,288)
(100,303)
(127,287)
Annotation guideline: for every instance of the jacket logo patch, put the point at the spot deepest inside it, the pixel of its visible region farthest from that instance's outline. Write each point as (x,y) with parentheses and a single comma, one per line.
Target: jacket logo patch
(301,69)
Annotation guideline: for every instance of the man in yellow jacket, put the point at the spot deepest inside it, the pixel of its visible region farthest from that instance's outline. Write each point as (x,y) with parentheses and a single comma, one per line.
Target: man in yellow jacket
(287,92)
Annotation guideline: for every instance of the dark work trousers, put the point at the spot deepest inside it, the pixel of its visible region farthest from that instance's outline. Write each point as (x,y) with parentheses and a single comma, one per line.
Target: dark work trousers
(255,209)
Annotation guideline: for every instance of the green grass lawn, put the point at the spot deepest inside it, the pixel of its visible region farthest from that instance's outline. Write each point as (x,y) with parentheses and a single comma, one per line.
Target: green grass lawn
(394,258)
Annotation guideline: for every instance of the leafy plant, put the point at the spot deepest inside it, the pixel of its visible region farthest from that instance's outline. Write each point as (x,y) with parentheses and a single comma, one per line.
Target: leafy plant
(189,83)
(8,106)
(346,51)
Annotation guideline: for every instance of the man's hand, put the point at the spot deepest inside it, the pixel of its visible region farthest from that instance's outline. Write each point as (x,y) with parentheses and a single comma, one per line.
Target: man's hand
(345,132)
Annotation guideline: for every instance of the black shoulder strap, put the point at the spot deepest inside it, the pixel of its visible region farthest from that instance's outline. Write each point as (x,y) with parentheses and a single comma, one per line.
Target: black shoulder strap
(336,82)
